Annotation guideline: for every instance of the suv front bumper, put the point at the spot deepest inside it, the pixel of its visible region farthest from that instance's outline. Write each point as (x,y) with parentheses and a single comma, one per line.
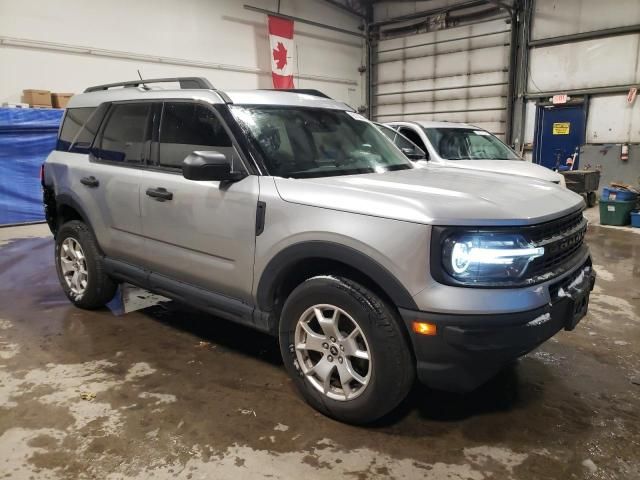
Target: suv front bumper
(467,350)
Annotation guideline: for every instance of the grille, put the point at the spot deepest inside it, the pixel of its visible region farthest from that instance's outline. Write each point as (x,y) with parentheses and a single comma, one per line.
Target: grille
(560,238)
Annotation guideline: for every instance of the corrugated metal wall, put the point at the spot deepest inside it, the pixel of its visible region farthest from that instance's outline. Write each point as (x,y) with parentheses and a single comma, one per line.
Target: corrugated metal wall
(603,62)
(457,74)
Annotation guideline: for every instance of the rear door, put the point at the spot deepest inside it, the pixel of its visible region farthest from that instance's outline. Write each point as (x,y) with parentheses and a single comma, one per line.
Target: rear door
(109,183)
(204,235)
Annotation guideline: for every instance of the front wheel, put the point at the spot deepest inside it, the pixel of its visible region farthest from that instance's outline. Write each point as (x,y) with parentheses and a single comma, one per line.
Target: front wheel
(345,350)
(79,266)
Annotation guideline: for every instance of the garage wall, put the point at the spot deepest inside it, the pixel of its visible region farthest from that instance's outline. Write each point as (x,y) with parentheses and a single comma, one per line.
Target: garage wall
(604,62)
(67,45)
(452,77)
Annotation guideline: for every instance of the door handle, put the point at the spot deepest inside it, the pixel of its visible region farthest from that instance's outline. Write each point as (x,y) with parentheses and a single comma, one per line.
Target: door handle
(161,194)
(91,182)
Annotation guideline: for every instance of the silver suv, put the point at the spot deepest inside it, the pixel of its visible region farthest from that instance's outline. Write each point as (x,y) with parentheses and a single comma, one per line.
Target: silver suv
(290,213)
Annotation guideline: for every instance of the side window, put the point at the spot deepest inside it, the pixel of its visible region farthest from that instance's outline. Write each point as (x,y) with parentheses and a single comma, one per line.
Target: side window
(74,129)
(402,142)
(127,134)
(187,127)
(388,132)
(413,136)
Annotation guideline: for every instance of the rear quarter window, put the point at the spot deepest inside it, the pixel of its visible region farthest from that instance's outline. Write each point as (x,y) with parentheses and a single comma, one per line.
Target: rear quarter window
(79,129)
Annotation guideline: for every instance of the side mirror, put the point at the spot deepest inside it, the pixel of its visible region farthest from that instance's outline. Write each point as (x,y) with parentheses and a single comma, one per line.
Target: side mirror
(209,165)
(414,154)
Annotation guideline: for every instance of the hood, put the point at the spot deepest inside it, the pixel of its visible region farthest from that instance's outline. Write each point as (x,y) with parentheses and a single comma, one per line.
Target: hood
(436,196)
(510,167)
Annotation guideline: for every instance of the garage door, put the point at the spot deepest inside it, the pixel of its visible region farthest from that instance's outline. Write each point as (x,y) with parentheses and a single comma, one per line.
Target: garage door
(458,74)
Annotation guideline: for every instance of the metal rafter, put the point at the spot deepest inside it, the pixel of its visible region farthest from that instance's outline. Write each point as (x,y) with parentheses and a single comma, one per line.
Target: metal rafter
(433,11)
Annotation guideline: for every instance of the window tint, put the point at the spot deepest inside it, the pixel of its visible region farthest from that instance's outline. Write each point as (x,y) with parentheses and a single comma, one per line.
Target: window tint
(126,135)
(410,148)
(413,136)
(187,127)
(78,129)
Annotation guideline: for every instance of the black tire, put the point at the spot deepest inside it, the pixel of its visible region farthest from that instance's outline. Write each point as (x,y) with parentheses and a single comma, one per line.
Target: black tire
(99,287)
(392,366)
(591,199)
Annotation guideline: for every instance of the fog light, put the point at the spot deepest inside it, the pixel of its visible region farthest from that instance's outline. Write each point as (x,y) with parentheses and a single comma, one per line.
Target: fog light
(424,328)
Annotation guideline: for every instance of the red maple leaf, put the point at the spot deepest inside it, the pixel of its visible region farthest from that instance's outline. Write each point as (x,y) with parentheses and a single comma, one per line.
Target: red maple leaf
(280,55)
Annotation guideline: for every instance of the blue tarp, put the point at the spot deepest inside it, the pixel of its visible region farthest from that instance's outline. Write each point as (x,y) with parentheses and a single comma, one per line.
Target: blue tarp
(27,135)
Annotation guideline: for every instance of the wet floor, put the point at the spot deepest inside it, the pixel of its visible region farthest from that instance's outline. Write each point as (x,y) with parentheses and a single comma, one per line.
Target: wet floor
(171,393)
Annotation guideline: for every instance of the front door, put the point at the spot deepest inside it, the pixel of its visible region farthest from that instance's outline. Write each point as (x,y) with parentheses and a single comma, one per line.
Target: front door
(203,232)
(559,135)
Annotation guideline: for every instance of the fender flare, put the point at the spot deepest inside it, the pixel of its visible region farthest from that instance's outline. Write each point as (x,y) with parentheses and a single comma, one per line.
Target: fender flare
(64,199)
(289,256)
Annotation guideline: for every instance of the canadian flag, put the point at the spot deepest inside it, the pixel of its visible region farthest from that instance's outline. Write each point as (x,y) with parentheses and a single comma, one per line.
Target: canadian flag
(281,41)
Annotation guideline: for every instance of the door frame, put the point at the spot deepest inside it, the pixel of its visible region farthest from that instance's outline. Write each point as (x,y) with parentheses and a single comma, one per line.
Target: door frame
(537,129)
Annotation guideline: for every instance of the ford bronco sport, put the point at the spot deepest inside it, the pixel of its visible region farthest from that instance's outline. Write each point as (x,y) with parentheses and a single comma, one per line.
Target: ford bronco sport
(290,213)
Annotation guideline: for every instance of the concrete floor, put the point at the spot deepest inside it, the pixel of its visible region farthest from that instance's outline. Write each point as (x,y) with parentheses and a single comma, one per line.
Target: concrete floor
(170,393)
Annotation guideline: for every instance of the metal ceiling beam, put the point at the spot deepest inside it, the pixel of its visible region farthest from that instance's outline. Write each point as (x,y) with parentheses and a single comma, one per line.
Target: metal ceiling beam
(428,13)
(304,20)
(499,3)
(345,8)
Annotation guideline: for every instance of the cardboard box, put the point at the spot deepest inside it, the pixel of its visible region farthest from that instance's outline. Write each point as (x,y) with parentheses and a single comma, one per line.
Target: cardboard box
(41,98)
(60,100)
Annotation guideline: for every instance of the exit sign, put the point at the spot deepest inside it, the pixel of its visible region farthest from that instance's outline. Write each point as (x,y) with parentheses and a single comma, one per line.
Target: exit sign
(559,99)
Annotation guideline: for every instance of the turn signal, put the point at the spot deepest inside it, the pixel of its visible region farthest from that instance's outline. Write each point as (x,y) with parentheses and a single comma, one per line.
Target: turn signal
(424,328)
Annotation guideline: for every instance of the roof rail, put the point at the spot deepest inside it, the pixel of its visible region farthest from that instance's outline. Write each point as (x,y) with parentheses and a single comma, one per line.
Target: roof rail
(197,83)
(306,91)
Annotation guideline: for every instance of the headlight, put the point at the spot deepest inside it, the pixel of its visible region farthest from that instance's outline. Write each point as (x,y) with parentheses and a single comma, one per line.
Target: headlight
(483,258)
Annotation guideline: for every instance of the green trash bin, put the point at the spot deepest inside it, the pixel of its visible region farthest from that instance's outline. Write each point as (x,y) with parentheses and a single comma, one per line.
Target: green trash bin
(613,212)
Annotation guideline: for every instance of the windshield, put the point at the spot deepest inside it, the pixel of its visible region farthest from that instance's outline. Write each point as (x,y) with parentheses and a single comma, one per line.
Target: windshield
(311,142)
(468,144)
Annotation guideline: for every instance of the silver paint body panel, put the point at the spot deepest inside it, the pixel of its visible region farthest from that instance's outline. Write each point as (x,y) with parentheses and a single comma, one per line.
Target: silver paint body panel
(206,236)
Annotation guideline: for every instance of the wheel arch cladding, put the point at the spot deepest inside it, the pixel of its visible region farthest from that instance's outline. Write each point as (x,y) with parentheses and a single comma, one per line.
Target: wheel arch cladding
(284,264)
(67,208)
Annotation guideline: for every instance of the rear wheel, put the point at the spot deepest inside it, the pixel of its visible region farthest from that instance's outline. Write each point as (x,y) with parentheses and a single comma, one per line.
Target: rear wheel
(345,350)
(79,266)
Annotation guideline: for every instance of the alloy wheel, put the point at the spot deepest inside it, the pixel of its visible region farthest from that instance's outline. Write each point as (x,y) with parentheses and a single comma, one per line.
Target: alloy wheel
(74,265)
(332,352)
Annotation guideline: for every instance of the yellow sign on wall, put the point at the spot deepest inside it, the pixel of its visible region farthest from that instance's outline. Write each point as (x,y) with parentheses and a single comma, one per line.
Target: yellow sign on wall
(561,128)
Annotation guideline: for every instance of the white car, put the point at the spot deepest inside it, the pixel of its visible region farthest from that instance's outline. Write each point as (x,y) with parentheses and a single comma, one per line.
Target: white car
(465,146)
